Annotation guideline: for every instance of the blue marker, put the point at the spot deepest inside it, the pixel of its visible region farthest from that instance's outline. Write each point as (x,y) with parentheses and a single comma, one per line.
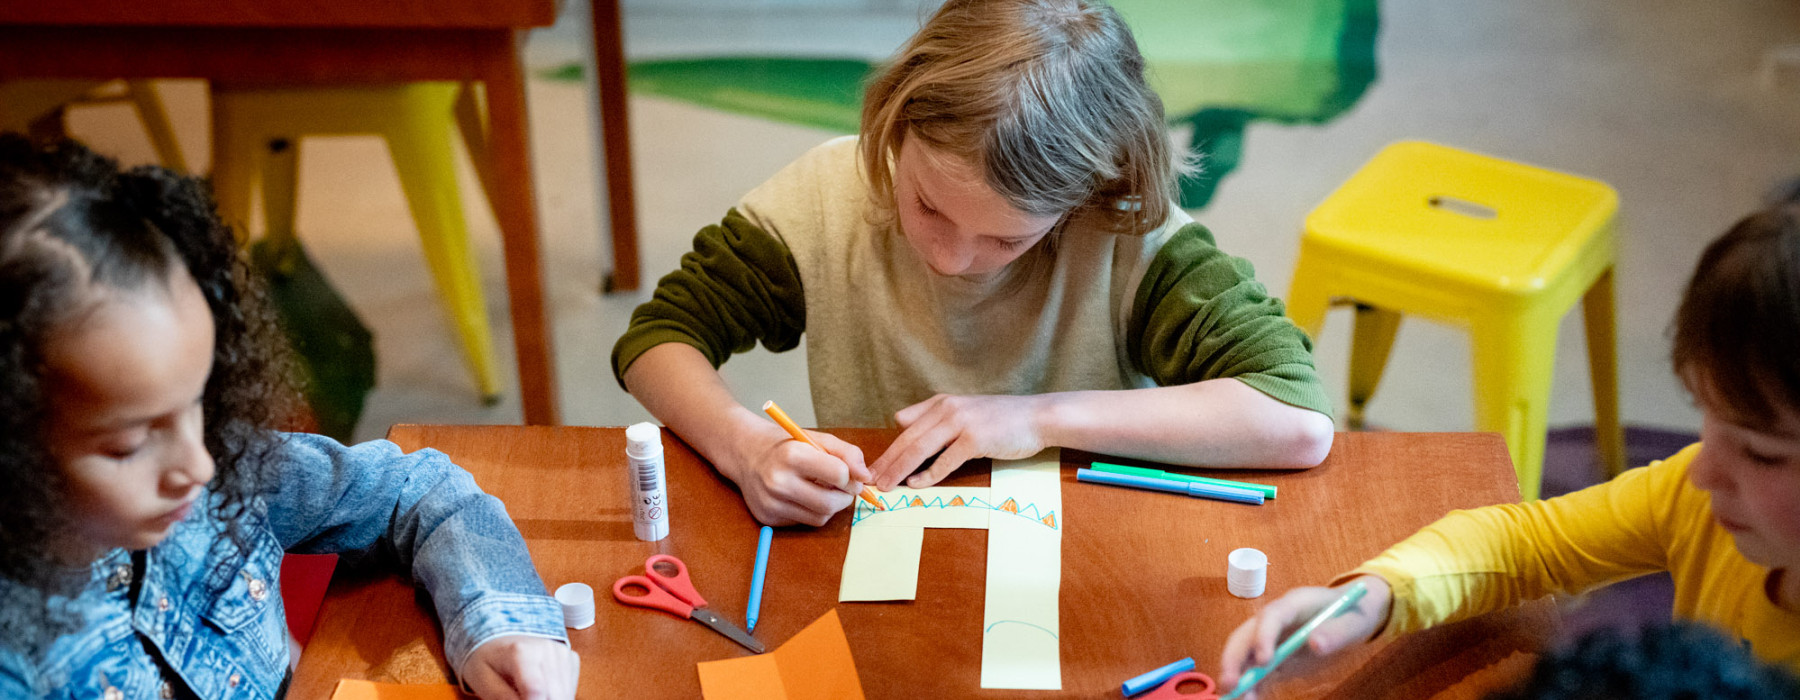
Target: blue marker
(1198,490)
(756,577)
(1156,677)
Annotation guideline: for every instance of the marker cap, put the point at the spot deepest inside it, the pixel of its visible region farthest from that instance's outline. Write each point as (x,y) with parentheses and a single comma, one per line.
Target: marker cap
(1247,572)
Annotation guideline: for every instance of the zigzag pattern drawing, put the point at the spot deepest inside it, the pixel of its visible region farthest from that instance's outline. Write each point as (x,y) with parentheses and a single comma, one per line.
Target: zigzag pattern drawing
(1028,511)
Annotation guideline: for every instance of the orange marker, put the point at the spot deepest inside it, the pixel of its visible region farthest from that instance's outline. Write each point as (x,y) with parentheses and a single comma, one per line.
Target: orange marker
(774,411)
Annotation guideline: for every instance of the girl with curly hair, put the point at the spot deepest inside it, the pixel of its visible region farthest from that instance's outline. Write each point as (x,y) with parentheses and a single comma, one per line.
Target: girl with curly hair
(146,498)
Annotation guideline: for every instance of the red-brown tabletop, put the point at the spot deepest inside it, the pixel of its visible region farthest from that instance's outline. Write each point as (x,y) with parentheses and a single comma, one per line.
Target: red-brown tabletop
(1143,579)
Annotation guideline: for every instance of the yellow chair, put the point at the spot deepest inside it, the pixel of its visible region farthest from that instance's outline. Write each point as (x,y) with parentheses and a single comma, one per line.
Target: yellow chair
(40,107)
(256,139)
(1500,248)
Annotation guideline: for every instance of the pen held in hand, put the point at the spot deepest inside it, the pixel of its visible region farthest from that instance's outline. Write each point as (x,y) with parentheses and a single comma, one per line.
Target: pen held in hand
(1351,596)
(786,423)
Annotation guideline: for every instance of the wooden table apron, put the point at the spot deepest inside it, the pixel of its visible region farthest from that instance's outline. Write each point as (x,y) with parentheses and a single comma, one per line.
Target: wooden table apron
(1143,573)
(329,42)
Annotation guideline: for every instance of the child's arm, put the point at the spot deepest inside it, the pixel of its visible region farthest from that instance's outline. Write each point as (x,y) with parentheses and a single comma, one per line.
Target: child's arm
(1477,561)
(739,286)
(784,481)
(424,516)
(1236,386)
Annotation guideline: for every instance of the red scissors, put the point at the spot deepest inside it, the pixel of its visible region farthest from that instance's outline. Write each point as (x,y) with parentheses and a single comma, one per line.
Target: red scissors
(1171,689)
(666,587)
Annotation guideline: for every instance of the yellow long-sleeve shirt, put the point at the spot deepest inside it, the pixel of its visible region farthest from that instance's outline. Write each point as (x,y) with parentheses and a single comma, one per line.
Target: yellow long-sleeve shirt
(1649,519)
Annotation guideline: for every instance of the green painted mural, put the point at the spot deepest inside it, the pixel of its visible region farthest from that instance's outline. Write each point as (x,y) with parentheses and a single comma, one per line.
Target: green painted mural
(1219,65)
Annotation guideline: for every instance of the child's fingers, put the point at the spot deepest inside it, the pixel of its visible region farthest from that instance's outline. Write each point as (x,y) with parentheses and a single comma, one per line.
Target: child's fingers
(1236,656)
(851,455)
(905,416)
(915,444)
(953,457)
(488,683)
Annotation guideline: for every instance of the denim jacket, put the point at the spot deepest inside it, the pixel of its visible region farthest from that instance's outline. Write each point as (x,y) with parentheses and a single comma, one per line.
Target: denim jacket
(185,619)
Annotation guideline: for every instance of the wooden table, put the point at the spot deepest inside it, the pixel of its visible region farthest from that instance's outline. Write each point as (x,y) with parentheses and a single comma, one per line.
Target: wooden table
(332,42)
(1143,573)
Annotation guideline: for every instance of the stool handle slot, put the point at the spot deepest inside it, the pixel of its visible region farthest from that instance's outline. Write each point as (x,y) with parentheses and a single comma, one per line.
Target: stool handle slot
(1464,207)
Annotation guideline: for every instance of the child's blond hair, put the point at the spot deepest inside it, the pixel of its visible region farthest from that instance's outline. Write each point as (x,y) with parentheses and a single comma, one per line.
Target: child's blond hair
(1045,98)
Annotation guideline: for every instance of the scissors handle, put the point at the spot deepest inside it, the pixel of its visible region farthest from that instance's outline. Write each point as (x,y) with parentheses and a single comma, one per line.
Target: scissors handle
(1171,689)
(675,579)
(653,596)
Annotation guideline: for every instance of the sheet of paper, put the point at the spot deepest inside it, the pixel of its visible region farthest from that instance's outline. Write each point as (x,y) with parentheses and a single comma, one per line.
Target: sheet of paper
(350,689)
(1021,630)
(882,564)
(938,506)
(814,665)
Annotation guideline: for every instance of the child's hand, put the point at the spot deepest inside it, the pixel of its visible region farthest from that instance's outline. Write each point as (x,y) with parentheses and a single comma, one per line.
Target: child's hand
(1253,642)
(786,481)
(520,667)
(963,428)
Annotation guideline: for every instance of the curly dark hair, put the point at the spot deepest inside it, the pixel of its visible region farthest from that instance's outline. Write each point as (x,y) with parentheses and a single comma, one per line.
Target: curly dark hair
(70,222)
(1679,661)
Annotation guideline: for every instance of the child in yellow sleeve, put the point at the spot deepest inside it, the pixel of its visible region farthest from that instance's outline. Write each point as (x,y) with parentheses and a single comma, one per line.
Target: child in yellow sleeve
(1721,516)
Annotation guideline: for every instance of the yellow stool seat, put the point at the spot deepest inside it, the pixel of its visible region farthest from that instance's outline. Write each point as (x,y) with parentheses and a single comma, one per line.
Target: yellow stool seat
(256,140)
(1500,248)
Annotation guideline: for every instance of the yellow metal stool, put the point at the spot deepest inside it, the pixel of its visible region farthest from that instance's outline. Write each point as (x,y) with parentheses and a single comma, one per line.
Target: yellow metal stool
(1500,248)
(256,139)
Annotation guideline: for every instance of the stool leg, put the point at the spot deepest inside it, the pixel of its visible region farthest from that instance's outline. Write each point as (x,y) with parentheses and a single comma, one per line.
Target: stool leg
(235,155)
(1603,366)
(155,117)
(1307,299)
(1369,346)
(426,164)
(278,168)
(1514,359)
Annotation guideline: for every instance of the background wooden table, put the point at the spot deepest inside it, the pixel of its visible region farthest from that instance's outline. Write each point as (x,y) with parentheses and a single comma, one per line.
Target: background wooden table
(1143,573)
(322,43)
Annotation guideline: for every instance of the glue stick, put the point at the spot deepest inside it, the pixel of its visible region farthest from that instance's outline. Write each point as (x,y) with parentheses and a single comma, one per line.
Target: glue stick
(649,491)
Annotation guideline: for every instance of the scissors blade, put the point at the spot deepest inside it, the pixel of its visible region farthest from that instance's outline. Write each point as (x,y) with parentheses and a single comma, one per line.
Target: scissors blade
(712,619)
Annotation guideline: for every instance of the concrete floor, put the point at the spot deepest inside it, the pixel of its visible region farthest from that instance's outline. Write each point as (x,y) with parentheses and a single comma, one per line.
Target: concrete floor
(1661,99)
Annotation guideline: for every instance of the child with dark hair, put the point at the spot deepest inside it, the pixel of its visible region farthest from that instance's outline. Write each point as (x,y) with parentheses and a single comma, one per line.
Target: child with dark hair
(146,499)
(1722,516)
(1680,661)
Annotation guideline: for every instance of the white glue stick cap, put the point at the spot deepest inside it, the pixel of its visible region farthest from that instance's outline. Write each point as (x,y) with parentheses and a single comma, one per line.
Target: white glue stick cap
(577,601)
(643,440)
(1247,573)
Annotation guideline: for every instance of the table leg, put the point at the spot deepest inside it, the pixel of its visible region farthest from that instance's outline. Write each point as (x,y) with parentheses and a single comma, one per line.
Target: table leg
(515,207)
(615,138)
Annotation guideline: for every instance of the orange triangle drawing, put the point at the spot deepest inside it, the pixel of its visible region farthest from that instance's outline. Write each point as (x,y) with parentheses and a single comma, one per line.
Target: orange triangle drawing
(916,501)
(1050,520)
(1010,506)
(958,501)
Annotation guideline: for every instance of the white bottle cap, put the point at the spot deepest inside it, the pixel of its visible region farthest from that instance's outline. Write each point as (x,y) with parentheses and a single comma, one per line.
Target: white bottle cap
(1247,572)
(577,601)
(643,440)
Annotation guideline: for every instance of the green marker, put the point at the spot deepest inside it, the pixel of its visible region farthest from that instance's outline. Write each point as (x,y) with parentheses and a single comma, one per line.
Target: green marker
(1267,491)
(1294,641)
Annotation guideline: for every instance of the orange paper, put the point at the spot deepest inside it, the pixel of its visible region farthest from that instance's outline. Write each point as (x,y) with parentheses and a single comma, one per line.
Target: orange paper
(349,689)
(814,665)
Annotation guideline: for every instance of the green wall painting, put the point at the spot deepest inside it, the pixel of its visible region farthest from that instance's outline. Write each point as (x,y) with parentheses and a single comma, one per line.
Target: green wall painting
(1218,65)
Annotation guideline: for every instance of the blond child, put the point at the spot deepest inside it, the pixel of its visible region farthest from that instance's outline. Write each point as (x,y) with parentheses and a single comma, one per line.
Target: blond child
(995,266)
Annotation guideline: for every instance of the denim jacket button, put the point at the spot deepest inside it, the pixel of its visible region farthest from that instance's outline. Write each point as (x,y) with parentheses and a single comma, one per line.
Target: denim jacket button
(113,693)
(166,691)
(121,577)
(258,590)
(162,603)
(233,680)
